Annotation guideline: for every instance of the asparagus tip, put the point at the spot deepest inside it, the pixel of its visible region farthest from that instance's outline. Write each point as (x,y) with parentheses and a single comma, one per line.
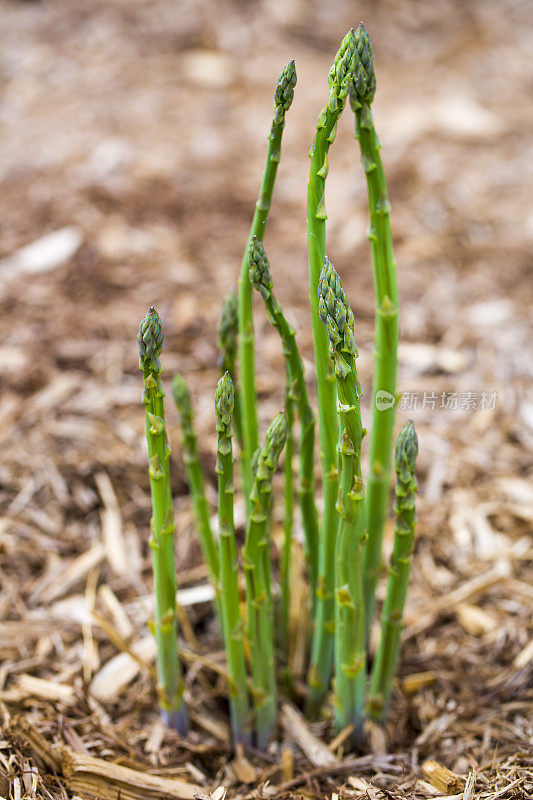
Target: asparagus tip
(334,309)
(224,399)
(150,339)
(363,80)
(406,449)
(284,93)
(259,268)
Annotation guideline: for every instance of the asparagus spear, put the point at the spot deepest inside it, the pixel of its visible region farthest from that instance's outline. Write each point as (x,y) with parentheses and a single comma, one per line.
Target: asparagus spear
(258,591)
(228,329)
(261,279)
(362,89)
(350,655)
(229,588)
(322,646)
(399,570)
(195,477)
(288,522)
(170,687)
(283,97)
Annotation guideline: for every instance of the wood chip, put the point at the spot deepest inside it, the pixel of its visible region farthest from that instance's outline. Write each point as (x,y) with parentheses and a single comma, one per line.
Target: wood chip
(95,778)
(442,778)
(114,676)
(48,690)
(297,728)
(60,584)
(111,521)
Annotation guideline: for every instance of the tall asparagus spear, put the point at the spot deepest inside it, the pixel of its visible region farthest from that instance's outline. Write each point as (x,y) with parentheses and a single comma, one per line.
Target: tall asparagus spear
(258,591)
(362,89)
(195,477)
(322,646)
(350,655)
(229,587)
(283,97)
(228,329)
(399,570)
(170,687)
(261,279)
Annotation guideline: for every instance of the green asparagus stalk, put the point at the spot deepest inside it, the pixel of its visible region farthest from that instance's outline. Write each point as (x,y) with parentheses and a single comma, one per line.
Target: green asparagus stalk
(229,587)
(399,570)
(283,97)
(261,279)
(171,686)
(362,89)
(228,329)
(288,521)
(195,477)
(350,655)
(258,591)
(322,646)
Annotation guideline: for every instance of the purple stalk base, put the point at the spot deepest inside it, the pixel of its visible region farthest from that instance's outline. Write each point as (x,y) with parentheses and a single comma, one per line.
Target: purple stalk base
(176,719)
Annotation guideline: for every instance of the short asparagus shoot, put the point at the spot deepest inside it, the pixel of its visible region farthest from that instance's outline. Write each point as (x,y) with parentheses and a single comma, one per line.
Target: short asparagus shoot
(229,586)
(170,687)
(350,652)
(256,559)
(399,571)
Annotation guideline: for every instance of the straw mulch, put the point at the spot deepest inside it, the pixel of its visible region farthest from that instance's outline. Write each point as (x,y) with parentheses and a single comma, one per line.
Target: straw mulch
(136,130)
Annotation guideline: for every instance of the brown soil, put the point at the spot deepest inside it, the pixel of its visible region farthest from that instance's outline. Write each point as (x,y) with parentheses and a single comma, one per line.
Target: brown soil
(142,124)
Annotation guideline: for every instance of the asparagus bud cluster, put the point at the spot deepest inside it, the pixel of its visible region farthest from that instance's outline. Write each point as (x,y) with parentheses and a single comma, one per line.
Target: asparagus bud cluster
(284,94)
(362,84)
(259,268)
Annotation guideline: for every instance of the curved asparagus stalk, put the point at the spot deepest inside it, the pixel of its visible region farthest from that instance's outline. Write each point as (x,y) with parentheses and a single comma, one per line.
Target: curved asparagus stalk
(170,687)
(228,329)
(195,477)
(282,98)
(362,89)
(350,654)
(229,587)
(322,646)
(258,595)
(399,570)
(261,279)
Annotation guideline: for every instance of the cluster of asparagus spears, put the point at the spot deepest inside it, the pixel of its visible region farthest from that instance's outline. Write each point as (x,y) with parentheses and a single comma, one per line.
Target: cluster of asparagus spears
(342,545)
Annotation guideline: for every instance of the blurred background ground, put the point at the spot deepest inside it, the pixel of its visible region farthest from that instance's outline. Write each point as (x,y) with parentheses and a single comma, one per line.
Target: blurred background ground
(136,129)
